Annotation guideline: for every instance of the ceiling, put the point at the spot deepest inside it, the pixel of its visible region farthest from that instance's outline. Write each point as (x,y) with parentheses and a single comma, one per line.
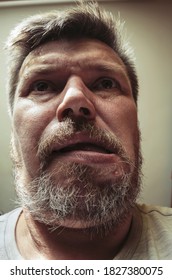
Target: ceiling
(10,3)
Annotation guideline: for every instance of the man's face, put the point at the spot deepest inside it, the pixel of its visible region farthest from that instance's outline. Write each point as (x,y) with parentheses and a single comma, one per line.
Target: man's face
(75,134)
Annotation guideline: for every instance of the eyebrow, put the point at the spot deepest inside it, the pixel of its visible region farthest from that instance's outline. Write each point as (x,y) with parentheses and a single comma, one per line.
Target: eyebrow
(108,67)
(111,69)
(100,66)
(104,67)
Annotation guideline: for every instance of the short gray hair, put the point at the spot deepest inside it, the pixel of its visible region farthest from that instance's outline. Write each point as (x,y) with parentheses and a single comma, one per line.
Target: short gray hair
(86,20)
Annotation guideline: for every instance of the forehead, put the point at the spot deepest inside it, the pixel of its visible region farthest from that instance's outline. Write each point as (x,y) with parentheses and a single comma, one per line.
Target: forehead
(68,53)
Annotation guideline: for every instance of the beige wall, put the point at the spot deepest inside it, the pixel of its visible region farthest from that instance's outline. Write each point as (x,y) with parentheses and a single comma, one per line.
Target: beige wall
(149,24)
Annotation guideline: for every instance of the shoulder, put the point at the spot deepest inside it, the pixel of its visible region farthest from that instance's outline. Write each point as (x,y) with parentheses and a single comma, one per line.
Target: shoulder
(157,210)
(7,231)
(157,217)
(156,239)
(150,236)
(5,217)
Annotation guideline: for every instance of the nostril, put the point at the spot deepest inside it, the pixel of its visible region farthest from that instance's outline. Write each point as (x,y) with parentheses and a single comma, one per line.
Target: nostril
(84,111)
(68,112)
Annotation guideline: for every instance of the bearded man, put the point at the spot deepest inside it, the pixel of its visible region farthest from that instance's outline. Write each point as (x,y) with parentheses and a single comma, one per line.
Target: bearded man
(75,144)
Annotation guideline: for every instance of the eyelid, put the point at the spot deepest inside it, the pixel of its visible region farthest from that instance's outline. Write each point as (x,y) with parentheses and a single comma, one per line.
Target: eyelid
(107,78)
(49,83)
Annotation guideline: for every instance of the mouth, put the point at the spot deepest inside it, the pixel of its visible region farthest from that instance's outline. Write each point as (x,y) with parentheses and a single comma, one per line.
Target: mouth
(81,149)
(89,153)
(85,147)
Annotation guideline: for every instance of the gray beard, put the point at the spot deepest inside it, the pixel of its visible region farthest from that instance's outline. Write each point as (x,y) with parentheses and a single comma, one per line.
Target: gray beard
(79,197)
(80,193)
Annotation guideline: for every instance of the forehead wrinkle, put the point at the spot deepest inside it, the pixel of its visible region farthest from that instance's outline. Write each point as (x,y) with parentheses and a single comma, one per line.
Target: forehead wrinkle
(46,62)
(63,55)
(45,67)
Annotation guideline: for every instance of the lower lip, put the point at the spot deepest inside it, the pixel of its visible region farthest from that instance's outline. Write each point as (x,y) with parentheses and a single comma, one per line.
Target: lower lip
(88,157)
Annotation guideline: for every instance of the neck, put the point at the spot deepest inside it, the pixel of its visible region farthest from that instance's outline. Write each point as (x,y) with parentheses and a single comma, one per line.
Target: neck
(37,241)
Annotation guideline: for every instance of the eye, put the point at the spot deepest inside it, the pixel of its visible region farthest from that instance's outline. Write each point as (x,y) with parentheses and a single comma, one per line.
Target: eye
(106,84)
(43,86)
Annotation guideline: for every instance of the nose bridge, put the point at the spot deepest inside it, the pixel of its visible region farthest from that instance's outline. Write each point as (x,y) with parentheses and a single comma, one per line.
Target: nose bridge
(75,101)
(75,89)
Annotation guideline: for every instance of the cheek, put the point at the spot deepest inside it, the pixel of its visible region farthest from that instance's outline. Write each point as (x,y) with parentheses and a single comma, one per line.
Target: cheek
(29,123)
(29,120)
(121,119)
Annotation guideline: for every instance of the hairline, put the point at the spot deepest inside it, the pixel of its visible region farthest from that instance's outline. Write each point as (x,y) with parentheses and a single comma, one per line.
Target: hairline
(21,49)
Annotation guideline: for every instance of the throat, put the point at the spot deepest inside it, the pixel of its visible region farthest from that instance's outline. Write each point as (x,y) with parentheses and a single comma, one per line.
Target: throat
(68,244)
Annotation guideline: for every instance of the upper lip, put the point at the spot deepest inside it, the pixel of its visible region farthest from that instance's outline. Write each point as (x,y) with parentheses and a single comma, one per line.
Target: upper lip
(82,141)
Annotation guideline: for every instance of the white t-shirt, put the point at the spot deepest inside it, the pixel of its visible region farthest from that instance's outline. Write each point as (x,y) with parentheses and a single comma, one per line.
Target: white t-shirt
(8,246)
(150,236)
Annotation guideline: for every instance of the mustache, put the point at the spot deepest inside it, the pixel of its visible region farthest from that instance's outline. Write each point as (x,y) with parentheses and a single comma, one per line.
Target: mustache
(66,130)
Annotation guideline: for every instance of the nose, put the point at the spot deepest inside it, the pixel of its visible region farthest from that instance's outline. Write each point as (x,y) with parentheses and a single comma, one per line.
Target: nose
(75,102)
